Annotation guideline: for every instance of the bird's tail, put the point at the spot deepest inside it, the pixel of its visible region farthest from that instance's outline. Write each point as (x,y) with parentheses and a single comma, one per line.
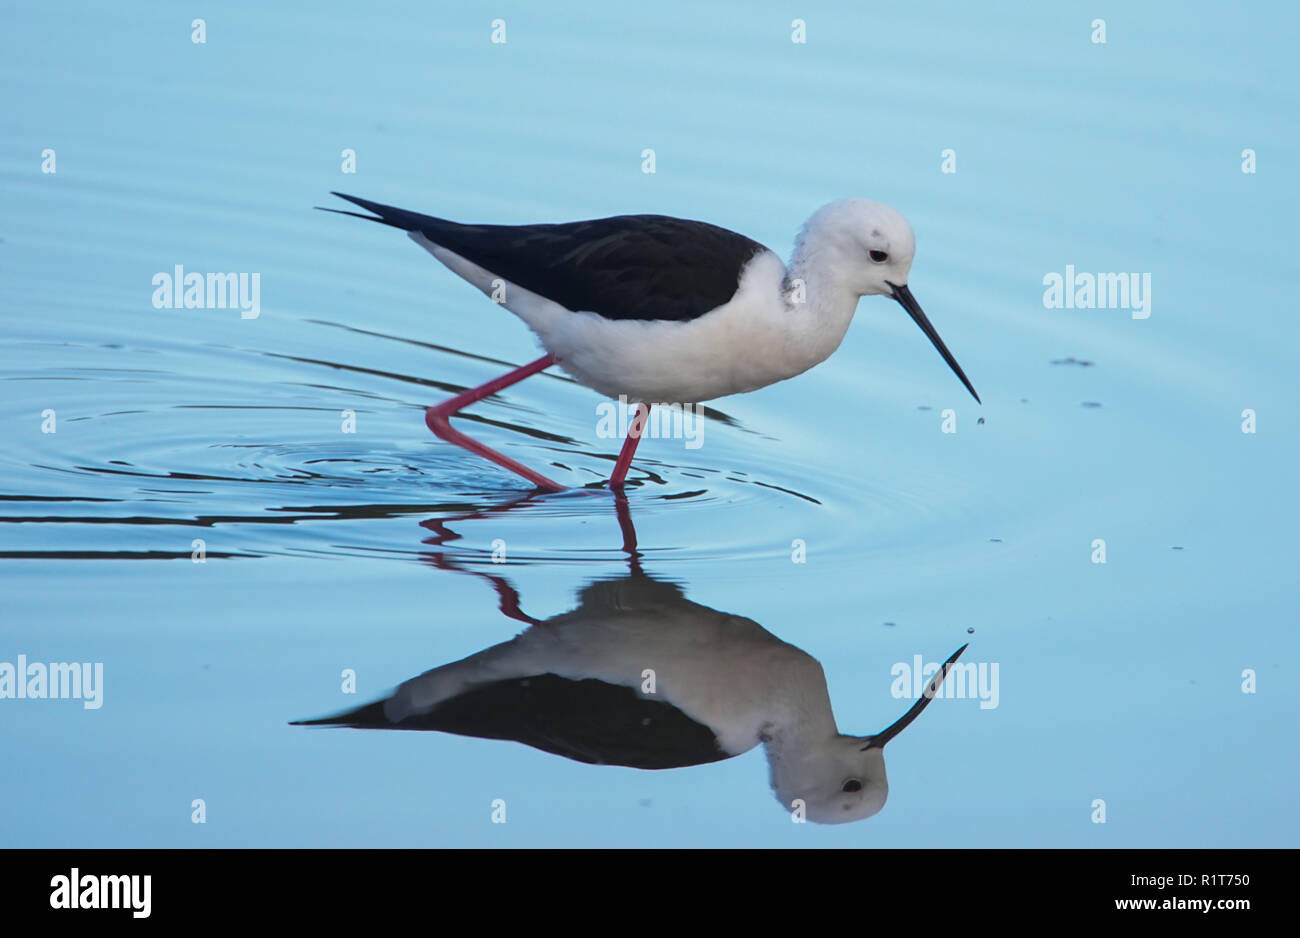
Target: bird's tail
(388,214)
(369,716)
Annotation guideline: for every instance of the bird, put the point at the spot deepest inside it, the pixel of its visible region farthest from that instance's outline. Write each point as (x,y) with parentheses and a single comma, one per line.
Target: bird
(654,309)
(638,675)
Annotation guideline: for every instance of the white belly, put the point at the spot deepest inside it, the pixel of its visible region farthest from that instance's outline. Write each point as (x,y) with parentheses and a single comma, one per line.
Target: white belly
(668,362)
(741,346)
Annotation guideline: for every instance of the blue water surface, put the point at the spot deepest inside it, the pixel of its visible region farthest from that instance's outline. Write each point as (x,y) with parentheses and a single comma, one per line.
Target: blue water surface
(1123,685)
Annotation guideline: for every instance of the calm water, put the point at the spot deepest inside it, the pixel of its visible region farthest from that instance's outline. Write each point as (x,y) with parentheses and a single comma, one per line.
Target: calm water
(372,551)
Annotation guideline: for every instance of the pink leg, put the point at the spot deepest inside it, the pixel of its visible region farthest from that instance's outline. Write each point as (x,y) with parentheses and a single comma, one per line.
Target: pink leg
(629,532)
(438,419)
(629,446)
(510,603)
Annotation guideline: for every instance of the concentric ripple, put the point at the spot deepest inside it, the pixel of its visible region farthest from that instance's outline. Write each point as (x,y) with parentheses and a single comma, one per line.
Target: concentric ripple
(145,461)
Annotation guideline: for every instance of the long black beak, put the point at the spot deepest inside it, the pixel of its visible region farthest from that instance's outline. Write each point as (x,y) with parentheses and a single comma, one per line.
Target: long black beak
(878,741)
(908,302)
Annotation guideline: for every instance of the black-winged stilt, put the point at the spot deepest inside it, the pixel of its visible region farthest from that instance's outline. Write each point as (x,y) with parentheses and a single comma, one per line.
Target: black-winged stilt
(654,309)
(638,675)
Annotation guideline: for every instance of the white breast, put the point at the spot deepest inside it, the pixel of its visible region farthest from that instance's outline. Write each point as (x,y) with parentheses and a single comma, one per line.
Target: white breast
(745,344)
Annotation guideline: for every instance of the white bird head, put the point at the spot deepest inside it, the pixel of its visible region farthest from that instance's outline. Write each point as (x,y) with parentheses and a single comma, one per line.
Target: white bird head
(843,779)
(870,247)
(837,783)
(873,243)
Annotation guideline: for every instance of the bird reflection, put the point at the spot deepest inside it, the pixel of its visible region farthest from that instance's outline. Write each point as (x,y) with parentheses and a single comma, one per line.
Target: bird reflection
(638,675)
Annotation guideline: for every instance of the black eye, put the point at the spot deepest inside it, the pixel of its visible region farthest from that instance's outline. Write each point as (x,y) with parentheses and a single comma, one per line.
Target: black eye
(878,256)
(852,785)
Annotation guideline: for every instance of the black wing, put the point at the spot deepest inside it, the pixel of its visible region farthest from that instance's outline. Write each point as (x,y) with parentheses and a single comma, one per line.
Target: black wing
(586,720)
(624,267)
